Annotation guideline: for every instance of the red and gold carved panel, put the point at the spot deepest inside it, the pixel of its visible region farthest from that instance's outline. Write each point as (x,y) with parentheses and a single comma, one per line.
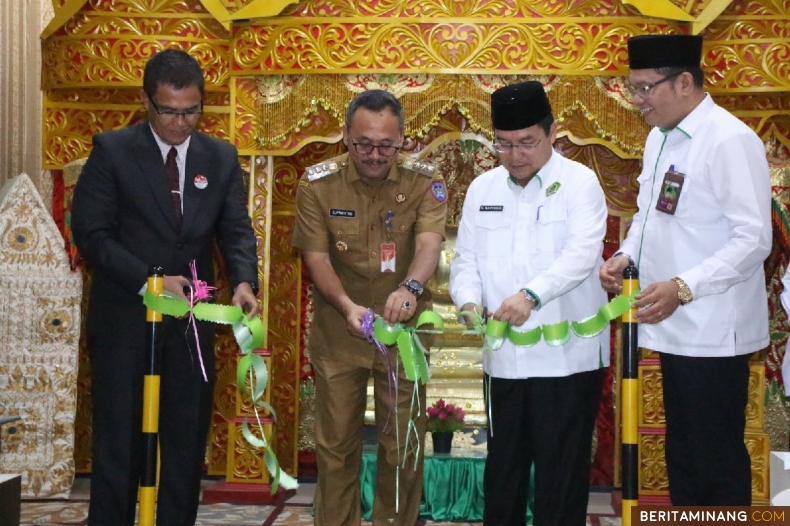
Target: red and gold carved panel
(654,483)
(759,446)
(597,109)
(651,412)
(109,47)
(444,9)
(283,339)
(653,478)
(245,462)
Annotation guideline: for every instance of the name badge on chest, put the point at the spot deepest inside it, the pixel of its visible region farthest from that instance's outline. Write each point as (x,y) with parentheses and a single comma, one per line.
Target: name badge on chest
(670,191)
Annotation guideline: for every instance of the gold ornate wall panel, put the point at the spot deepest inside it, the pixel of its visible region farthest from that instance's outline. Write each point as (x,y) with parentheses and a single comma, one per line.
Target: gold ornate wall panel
(616,174)
(245,463)
(466,36)
(596,106)
(744,47)
(233,6)
(653,485)
(279,272)
(534,46)
(291,109)
(73,116)
(68,131)
(278,86)
(93,64)
(225,396)
(283,338)
(653,482)
(107,43)
(245,111)
(448,9)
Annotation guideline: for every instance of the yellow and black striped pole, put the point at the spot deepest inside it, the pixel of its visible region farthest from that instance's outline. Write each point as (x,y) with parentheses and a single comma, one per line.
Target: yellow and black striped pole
(630,399)
(156,285)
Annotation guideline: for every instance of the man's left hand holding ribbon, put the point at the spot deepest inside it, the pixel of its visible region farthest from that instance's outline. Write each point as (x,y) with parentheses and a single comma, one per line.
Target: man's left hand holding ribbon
(244,297)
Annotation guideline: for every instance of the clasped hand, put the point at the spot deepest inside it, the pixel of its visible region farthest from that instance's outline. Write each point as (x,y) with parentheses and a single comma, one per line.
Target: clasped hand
(400,307)
(656,303)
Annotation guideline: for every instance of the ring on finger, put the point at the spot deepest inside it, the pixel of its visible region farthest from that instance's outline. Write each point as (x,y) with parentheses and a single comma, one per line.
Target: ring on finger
(407,304)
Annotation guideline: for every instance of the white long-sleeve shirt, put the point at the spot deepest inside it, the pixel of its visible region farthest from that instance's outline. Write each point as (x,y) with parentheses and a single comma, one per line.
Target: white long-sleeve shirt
(542,237)
(717,239)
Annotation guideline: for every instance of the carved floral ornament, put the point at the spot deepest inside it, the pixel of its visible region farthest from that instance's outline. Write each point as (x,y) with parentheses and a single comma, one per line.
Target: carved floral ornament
(567,37)
(699,13)
(286,102)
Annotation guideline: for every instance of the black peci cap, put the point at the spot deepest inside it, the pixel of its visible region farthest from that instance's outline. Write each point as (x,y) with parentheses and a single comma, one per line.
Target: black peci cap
(664,51)
(519,106)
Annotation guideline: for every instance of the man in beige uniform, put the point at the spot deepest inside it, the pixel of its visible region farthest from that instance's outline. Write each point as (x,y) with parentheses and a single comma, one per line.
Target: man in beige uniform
(370,224)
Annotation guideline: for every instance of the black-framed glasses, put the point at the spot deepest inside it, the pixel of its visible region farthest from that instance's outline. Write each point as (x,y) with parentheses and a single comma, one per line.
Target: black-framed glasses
(170,114)
(644,91)
(507,147)
(385,150)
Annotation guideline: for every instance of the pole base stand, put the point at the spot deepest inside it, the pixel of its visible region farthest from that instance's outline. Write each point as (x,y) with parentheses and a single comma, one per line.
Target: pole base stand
(244,493)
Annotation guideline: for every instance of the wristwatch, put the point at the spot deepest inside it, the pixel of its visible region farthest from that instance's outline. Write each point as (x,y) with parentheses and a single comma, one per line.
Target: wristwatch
(631,261)
(413,286)
(253,286)
(531,296)
(684,292)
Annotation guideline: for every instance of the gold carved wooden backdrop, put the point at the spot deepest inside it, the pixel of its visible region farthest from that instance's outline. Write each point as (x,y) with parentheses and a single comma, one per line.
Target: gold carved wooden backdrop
(279,75)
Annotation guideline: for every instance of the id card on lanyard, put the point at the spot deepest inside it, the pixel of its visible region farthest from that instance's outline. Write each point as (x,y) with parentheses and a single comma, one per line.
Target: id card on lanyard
(671,187)
(388,251)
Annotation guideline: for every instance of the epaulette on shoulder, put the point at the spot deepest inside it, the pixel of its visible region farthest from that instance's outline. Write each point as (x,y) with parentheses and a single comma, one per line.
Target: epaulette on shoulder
(421,167)
(317,171)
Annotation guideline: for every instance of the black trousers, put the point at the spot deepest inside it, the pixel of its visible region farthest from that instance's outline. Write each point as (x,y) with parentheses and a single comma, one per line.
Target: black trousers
(705,403)
(548,421)
(184,416)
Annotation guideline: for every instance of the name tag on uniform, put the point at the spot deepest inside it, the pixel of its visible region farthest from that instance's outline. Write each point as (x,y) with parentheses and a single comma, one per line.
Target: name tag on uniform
(336,212)
(388,257)
(492,208)
(670,192)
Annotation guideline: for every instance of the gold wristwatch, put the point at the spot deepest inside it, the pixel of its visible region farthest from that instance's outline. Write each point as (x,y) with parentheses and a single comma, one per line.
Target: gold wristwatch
(684,292)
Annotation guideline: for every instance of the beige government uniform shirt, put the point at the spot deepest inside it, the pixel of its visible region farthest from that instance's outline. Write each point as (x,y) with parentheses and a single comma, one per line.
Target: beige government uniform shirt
(338,213)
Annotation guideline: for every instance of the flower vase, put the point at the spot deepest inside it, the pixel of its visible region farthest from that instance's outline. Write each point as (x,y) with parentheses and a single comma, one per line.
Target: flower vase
(442,441)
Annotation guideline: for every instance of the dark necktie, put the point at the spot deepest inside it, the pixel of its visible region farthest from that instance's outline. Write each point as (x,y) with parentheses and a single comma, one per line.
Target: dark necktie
(171,168)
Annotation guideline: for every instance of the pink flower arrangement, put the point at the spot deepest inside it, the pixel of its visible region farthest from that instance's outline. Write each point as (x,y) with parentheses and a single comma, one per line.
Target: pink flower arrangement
(444,417)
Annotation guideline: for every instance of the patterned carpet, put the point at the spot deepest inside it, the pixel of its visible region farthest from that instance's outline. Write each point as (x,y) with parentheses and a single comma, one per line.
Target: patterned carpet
(76,513)
(296,511)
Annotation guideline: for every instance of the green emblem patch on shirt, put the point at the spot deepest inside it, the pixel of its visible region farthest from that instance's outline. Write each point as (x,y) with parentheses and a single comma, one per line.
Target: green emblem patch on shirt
(552,189)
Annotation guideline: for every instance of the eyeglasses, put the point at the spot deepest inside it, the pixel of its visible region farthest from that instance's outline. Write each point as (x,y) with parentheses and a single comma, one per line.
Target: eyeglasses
(172,115)
(644,91)
(509,147)
(385,150)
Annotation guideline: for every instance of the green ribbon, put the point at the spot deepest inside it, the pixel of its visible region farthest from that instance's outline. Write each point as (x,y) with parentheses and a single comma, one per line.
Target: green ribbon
(413,353)
(410,349)
(249,336)
(554,334)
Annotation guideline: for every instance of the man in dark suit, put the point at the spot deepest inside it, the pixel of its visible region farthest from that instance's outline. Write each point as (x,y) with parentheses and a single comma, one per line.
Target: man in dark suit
(128,215)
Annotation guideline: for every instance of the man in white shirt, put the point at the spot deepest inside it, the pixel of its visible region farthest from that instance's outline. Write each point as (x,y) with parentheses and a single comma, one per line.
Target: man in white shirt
(703,303)
(528,250)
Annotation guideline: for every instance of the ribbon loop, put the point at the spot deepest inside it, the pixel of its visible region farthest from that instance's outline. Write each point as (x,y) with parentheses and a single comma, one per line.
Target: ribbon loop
(252,375)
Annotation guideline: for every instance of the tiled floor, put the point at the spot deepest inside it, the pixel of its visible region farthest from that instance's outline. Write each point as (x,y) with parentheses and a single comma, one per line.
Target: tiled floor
(296,511)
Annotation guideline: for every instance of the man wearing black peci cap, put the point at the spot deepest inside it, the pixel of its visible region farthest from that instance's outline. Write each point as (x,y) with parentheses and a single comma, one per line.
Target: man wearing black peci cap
(703,303)
(528,250)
